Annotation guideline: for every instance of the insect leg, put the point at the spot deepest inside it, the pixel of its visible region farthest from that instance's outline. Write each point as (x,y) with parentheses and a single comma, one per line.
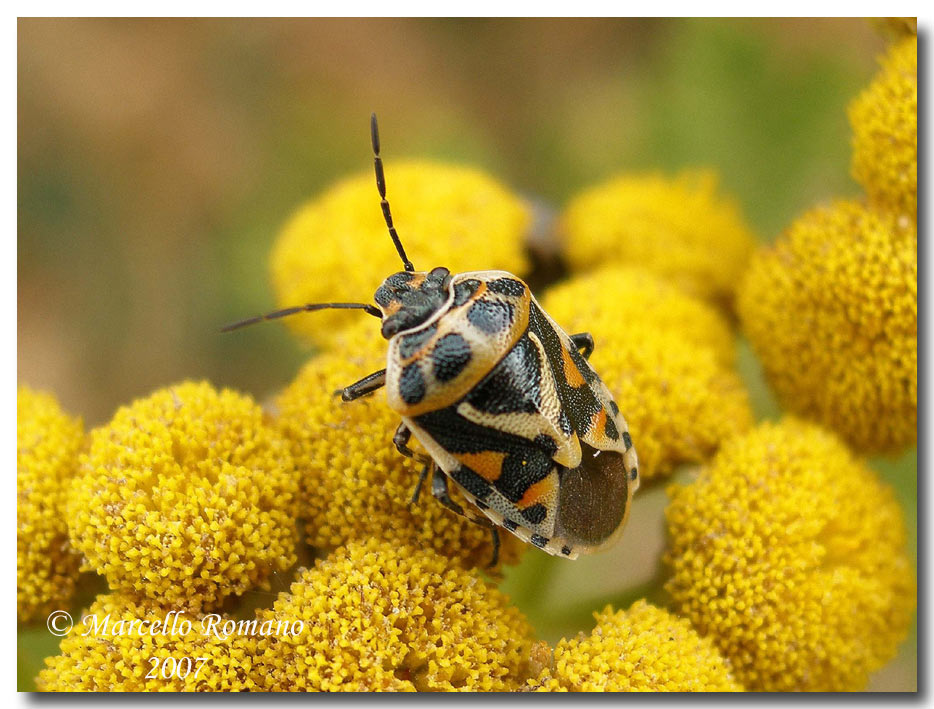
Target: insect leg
(421,479)
(584,342)
(367,385)
(401,440)
(439,488)
(494,530)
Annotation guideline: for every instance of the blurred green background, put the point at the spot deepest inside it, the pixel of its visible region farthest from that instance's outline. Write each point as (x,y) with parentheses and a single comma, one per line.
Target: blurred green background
(158,158)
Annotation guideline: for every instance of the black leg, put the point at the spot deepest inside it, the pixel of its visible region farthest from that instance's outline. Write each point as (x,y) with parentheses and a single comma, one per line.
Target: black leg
(495,560)
(367,385)
(584,342)
(401,440)
(439,488)
(421,480)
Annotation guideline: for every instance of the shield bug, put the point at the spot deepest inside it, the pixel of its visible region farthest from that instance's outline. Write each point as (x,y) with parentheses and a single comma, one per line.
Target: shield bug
(502,399)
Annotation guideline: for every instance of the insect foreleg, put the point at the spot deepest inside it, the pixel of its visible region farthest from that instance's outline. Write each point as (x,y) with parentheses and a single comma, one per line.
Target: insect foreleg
(584,342)
(367,385)
(401,441)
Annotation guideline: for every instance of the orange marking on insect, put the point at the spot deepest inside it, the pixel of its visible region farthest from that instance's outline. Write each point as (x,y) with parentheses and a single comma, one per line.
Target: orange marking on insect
(572,374)
(536,492)
(598,424)
(487,465)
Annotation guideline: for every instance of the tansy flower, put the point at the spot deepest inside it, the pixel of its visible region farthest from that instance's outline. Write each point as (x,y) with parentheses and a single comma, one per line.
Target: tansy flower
(678,228)
(337,248)
(47,445)
(832,311)
(885,132)
(662,356)
(384,616)
(790,555)
(623,296)
(186,497)
(644,649)
(122,644)
(355,484)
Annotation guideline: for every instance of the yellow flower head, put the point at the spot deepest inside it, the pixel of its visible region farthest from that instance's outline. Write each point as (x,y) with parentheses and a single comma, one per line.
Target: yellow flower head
(832,311)
(122,644)
(885,132)
(47,445)
(663,356)
(384,616)
(679,228)
(186,497)
(337,248)
(644,649)
(355,484)
(790,555)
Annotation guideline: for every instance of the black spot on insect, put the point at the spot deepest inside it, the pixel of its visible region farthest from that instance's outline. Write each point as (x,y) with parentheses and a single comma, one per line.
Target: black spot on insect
(535,514)
(614,408)
(412,384)
(471,482)
(539,541)
(610,429)
(633,474)
(399,279)
(566,550)
(506,286)
(481,505)
(546,443)
(510,525)
(627,440)
(382,296)
(490,316)
(450,356)
(465,289)
(514,385)
(413,343)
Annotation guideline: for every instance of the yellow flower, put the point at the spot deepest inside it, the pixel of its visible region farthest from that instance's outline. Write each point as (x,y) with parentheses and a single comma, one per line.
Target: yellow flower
(336,247)
(622,296)
(662,354)
(644,649)
(679,228)
(832,311)
(384,616)
(355,484)
(884,118)
(186,497)
(790,555)
(122,644)
(47,445)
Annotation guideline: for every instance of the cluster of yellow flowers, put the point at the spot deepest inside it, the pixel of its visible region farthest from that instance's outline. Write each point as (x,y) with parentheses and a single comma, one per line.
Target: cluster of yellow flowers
(192,497)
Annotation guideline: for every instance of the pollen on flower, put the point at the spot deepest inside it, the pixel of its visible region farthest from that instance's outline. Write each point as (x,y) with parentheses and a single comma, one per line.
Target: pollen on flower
(384,616)
(663,357)
(884,118)
(831,309)
(644,649)
(790,555)
(680,228)
(124,644)
(355,484)
(186,497)
(336,247)
(47,446)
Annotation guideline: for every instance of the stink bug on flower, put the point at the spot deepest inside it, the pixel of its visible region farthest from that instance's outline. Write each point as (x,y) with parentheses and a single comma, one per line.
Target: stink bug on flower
(502,399)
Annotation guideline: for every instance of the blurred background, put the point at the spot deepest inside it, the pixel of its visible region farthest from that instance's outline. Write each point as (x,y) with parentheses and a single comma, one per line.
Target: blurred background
(157,160)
